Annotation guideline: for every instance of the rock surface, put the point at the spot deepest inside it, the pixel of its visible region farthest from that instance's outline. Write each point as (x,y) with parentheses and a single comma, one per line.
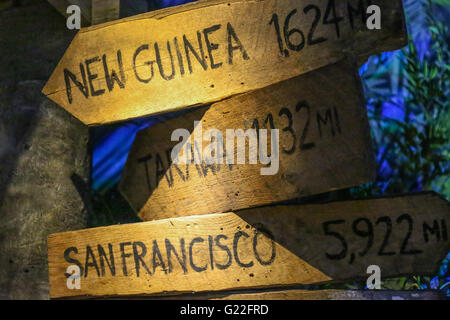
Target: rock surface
(43,149)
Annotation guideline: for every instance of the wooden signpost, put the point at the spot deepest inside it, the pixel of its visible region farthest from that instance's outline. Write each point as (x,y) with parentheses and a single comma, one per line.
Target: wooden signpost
(272,246)
(324,144)
(209,50)
(284,67)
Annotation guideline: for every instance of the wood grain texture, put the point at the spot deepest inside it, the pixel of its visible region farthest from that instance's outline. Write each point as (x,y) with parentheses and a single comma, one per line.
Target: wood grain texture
(298,294)
(104,11)
(43,151)
(256,248)
(206,51)
(335,151)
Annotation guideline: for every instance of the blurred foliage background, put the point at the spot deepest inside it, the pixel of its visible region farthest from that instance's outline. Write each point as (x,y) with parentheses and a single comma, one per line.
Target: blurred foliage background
(407,94)
(408,106)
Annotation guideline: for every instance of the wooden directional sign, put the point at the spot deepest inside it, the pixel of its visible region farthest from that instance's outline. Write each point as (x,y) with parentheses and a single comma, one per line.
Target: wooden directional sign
(209,50)
(256,248)
(324,144)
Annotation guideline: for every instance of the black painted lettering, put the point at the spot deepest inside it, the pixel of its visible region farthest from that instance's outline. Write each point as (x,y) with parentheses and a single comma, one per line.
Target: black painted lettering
(260,230)
(388,222)
(191,259)
(145,161)
(190,146)
(328,232)
(182,261)
(434,230)
(200,57)
(321,120)
(336,118)
(212,46)
(71,260)
(90,256)
(163,171)
(147,63)
(289,128)
(157,256)
(362,227)
(103,257)
(138,257)
(211,251)
(409,220)
(353,12)
(235,249)
(331,17)
(124,256)
(91,77)
(204,166)
(177,168)
(303,144)
(232,37)
(179,56)
(69,76)
(312,40)
(160,64)
(112,77)
(224,248)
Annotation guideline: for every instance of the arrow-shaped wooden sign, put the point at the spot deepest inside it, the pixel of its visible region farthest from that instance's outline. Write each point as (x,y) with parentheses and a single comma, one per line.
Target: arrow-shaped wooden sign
(271,246)
(324,144)
(208,50)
